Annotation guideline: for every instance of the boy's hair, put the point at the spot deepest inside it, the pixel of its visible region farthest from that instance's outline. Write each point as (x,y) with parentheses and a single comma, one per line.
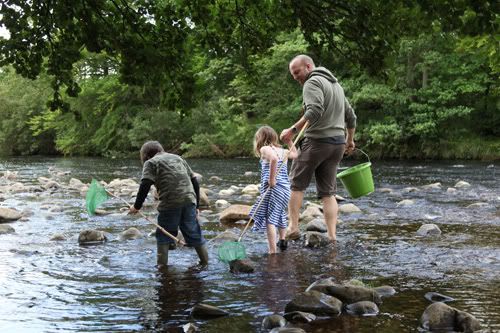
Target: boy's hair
(149,150)
(265,136)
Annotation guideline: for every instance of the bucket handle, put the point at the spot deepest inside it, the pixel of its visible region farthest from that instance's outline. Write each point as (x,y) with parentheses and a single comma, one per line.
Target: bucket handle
(368,157)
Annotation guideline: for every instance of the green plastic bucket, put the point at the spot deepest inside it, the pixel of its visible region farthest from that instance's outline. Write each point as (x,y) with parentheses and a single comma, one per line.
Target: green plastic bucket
(358,180)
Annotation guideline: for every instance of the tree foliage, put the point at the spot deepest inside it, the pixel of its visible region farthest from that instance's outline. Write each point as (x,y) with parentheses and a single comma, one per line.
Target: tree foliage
(201,76)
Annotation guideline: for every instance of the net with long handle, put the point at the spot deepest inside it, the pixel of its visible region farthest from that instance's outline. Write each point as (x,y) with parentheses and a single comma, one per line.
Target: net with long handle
(235,250)
(96,195)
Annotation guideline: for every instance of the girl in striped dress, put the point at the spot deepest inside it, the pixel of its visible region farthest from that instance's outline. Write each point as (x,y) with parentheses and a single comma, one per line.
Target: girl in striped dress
(274,186)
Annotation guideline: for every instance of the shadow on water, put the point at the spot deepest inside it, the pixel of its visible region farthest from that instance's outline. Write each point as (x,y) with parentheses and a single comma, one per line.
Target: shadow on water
(48,286)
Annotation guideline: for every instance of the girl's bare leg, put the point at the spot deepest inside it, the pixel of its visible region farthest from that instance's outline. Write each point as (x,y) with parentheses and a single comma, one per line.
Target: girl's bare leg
(271,238)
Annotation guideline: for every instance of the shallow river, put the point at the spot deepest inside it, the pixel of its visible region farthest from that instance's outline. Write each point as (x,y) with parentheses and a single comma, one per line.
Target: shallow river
(49,286)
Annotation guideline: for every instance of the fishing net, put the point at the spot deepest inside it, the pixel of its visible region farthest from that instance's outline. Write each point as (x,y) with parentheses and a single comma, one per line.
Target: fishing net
(230,251)
(96,195)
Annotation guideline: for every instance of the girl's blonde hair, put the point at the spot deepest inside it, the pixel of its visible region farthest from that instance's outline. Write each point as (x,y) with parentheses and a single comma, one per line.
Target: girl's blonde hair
(265,136)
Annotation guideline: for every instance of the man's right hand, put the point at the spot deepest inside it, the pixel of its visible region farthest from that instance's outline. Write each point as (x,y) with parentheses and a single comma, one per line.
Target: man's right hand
(286,135)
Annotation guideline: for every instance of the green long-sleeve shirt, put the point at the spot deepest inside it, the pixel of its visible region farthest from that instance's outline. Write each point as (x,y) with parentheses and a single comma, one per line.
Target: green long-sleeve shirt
(326,107)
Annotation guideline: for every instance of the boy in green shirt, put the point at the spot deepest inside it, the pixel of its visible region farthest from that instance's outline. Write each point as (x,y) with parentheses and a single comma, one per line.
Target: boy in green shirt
(179,193)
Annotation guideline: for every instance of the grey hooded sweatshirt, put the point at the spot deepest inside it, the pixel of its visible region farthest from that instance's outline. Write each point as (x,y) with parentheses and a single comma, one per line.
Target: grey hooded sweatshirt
(326,106)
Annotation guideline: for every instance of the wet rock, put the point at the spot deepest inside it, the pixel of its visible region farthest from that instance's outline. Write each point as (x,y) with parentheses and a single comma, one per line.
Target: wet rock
(9,215)
(6,229)
(215,179)
(76,184)
(353,294)
(349,208)
(385,291)
(321,285)
(225,236)
(189,328)
(222,204)
(392,215)
(461,184)
(355,282)
(362,308)
(131,233)
(299,317)
(429,229)
(433,186)
(251,189)
(9,175)
(250,173)
(406,202)
(410,190)
(310,213)
(315,302)
(235,213)
(102,212)
(442,317)
(226,193)
(51,185)
(88,237)
(273,321)
(317,224)
(242,266)
(385,190)
(316,239)
(437,297)
(56,209)
(287,330)
(58,237)
(451,190)
(207,311)
(204,201)
(477,205)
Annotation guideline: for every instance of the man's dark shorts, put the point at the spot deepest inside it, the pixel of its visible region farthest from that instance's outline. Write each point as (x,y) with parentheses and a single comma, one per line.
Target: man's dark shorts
(318,158)
(183,218)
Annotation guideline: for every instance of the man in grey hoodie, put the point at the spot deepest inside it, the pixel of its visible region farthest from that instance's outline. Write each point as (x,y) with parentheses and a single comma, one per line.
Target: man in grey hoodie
(330,131)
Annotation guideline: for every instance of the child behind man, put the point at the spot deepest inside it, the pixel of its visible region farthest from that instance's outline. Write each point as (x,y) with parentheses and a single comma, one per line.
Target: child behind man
(272,212)
(179,193)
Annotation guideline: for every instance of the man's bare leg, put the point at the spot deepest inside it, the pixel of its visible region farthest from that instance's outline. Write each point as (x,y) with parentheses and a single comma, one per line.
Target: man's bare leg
(330,212)
(294,211)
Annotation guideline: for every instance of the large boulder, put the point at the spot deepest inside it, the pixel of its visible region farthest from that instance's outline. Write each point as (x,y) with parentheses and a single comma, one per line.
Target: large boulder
(349,208)
(204,201)
(441,317)
(273,321)
(251,189)
(207,311)
(235,213)
(318,224)
(9,215)
(88,237)
(299,317)
(429,229)
(6,229)
(352,294)
(131,233)
(310,213)
(315,302)
(362,308)
(242,266)
(316,239)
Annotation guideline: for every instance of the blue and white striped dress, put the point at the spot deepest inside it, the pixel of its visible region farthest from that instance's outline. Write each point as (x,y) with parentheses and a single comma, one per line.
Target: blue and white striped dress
(273,209)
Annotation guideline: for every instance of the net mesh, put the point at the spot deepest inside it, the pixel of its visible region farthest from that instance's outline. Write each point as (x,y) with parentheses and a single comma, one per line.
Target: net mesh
(230,251)
(96,195)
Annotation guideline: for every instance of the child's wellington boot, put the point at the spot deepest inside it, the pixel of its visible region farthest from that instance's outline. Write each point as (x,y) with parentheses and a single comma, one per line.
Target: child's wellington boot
(162,254)
(202,254)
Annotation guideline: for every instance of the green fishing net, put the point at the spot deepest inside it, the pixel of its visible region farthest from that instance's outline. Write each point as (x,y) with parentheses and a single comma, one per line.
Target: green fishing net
(230,251)
(96,195)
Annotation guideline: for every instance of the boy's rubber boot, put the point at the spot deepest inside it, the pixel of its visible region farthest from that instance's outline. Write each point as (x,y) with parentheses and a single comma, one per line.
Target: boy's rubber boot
(162,254)
(202,254)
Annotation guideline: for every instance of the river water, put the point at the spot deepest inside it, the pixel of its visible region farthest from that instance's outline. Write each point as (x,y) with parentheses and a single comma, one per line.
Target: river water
(49,286)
